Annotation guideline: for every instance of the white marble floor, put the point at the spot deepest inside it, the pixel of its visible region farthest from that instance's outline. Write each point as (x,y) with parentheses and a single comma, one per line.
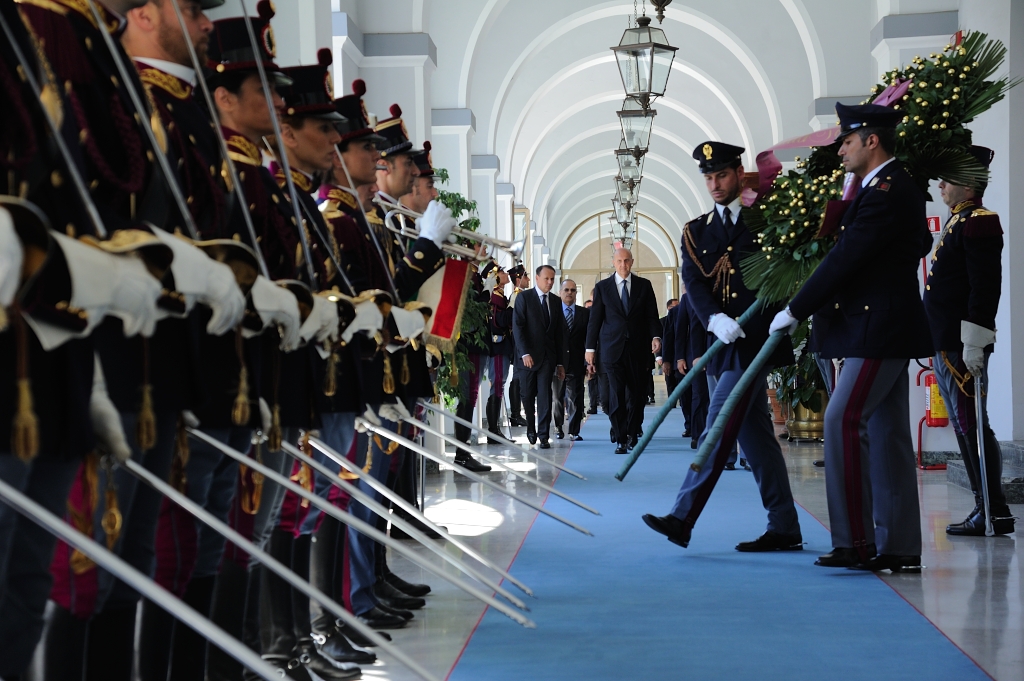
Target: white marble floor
(971,590)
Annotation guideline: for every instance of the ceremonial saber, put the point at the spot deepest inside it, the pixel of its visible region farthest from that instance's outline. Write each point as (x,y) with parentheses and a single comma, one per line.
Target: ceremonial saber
(366,500)
(666,408)
(361,527)
(413,511)
(409,444)
(29,76)
(741,387)
(979,412)
(133,94)
(222,145)
(538,483)
(272,564)
(500,438)
(136,580)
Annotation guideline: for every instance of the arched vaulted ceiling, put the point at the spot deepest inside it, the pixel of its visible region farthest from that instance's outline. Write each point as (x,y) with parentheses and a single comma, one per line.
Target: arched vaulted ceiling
(544,88)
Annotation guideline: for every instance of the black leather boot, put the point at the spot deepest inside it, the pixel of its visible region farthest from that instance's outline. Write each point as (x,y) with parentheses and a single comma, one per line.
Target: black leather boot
(155,642)
(276,601)
(494,418)
(188,651)
(227,612)
(111,645)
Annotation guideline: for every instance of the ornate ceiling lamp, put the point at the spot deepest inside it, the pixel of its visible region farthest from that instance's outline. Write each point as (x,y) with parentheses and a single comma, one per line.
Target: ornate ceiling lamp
(645,60)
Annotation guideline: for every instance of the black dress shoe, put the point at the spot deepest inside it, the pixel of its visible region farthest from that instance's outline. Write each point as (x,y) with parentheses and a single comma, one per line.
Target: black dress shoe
(844,557)
(518,421)
(399,612)
(693,443)
(378,619)
(611,432)
(355,637)
(469,463)
(974,526)
(409,589)
(323,667)
(729,466)
(532,437)
(544,444)
(820,463)
(772,541)
(620,448)
(591,411)
(686,433)
(334,645)
(744,465)
(911,564)
(576,438)
(559,435)
(632,442)
(395,599)
(670,526)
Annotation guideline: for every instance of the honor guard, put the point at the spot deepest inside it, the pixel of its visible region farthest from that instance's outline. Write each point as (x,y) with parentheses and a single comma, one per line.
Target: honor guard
(867,309)
(502,345)
(712,247)
(961,298)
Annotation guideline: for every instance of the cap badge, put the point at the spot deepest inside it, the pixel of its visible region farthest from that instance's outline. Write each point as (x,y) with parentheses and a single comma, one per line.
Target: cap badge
(707,151)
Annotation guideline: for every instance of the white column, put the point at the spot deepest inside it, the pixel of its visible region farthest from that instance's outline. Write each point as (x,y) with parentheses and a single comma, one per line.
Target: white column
(452,131)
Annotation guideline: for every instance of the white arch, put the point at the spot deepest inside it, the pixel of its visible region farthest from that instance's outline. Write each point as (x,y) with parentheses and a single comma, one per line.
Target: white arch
(578,243)
(812,46)
(613,8)
(483,23)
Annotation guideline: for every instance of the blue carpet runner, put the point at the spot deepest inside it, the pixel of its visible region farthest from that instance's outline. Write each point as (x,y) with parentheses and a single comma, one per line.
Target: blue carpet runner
(627,604)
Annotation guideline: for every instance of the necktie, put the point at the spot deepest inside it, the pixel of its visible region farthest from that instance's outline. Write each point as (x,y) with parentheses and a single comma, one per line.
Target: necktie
(625,295)
(727,213)
(569,317)
(547,314)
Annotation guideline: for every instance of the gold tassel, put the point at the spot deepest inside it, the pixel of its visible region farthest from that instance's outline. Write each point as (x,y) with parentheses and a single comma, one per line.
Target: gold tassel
(304,476)
(274,434)
(369,457)
(25,427)
(453,376)
(251,502)
(389,450)
(240,410)
(406,374)
(145,429)
(82,520)
(112,519)
(331,376)
(389,378)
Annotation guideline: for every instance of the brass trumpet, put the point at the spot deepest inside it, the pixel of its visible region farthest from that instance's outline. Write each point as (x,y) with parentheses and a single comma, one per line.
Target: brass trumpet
(513,248)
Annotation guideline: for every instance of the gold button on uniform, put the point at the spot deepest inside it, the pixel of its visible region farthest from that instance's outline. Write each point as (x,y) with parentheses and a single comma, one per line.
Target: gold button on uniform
(735,295)
(866,307)
(928,287)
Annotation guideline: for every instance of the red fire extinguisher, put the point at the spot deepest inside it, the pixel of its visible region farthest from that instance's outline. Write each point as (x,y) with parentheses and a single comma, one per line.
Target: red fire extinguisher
(935,413)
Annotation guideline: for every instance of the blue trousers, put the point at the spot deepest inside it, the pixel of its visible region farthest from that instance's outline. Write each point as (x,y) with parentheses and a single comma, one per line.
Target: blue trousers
(751,424)
(338,430)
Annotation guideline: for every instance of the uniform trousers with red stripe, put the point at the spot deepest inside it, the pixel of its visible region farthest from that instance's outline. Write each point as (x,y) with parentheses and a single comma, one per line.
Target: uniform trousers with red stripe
(750,424)
(870,471)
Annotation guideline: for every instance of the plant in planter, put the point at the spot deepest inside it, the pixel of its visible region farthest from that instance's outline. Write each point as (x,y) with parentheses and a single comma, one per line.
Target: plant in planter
(800,383)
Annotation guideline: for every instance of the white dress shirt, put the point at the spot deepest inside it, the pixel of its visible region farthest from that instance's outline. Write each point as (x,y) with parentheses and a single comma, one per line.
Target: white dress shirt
(867,178)
(734,210)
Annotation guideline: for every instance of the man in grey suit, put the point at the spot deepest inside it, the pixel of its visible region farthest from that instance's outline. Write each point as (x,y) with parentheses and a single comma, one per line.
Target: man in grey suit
(567,395)
(541,351)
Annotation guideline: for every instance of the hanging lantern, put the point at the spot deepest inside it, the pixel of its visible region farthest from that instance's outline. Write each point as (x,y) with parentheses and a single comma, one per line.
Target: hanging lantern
(636,123)
(645,59)
(627,191)
(623,213)
(630,168)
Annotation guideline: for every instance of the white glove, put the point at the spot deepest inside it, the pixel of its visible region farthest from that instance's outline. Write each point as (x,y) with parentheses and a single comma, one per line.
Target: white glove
(490,282)
(410,323)
(11,257)
(726,328)
(975,339)
(266,418)
(368,318)
(106,422)
(190,418)
(202,279)
(277,306)
(322,322)
(437,223)
(370,417)
(394,412)
(784,321)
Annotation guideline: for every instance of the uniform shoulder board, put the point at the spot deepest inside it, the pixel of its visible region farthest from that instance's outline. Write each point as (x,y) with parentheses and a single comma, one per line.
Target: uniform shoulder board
(982,223)
(711,216)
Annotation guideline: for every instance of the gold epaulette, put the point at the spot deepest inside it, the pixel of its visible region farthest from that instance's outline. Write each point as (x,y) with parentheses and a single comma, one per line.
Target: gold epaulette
(80,6)
(302,183)
(339,195)
(982,212)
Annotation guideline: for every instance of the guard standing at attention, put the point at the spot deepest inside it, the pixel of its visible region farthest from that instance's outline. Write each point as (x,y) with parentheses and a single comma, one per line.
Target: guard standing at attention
(713,245)
(878,324)
(961,299)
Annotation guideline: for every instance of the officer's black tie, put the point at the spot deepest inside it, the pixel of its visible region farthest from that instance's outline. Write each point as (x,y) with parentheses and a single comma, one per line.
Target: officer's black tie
(625,296)
(547,314)
(727,213)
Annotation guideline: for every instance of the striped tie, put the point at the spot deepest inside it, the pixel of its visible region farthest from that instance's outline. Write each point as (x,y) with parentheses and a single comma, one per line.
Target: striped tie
(569,317)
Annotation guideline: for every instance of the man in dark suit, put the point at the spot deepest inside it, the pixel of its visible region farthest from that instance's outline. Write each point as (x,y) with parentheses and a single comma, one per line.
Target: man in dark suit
(713,246)
(691,341)
(667,361)
(624,324)
(567,395)
(541,349)
(867,309)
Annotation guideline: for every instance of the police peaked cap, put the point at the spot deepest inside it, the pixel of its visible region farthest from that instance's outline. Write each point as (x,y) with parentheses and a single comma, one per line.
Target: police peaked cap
(715,156)
(854,117)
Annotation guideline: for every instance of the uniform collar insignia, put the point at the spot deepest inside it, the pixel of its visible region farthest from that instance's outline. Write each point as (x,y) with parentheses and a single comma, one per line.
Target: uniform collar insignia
(342,197)
(302,181)
(241,150)
(172,85)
